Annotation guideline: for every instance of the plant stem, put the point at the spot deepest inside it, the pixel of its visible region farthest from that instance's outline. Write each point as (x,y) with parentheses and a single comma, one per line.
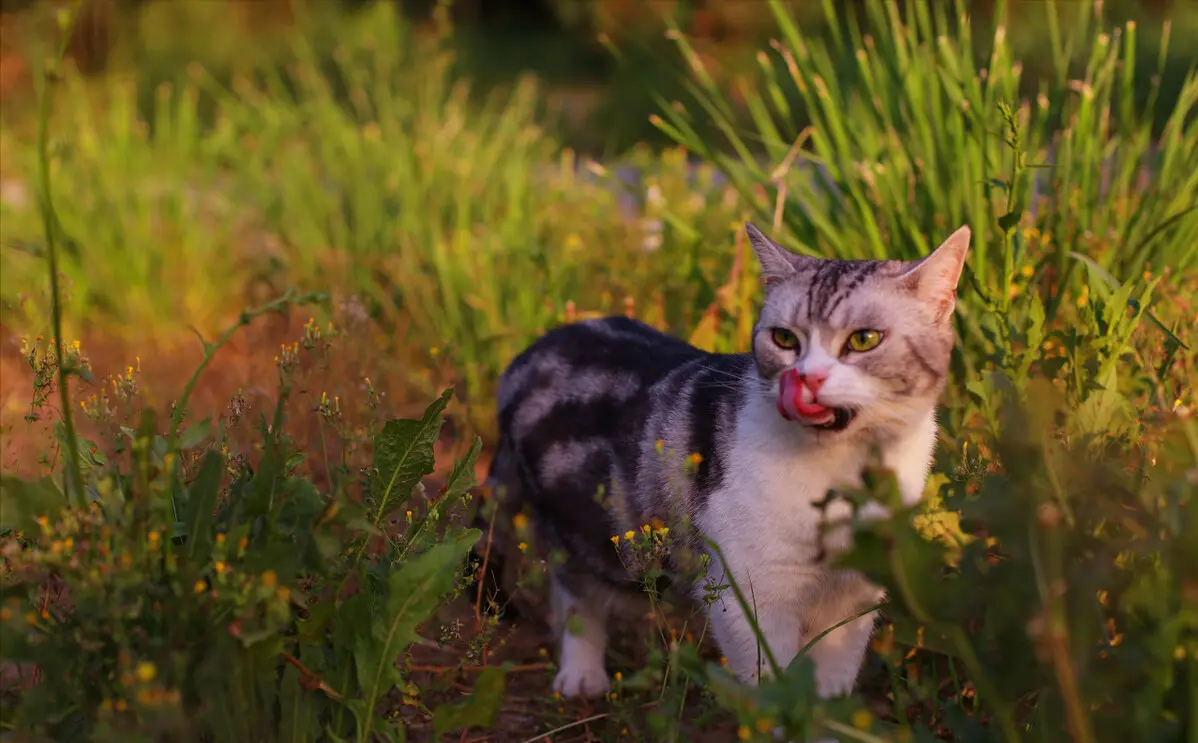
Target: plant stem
(210,349)
(50,225)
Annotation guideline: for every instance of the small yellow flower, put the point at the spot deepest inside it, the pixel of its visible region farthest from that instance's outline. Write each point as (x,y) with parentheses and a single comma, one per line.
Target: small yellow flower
(694,459)
(270,579)
(434,352)
(646,528)
(220,566)
(629,535)
(615,539)
(220,538)
(283,594)
(723,661)
(862,719)
(764,725)
(523,546)
(1027,271)
(199,586)
(153,537)
(1179,652)
(619,676)
(744,733)
(663,531)
(520,521)
(146,672)
(659,446)
(409,515)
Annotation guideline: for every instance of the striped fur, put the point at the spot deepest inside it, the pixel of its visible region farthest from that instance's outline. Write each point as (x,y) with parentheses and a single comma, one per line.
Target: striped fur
(609,424)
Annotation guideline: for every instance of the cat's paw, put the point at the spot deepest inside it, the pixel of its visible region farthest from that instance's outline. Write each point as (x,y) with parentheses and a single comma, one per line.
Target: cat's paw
(580,680)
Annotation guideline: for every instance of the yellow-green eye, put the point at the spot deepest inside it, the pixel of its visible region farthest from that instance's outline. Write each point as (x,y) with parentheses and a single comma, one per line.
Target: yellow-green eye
(864,340)
(784,338)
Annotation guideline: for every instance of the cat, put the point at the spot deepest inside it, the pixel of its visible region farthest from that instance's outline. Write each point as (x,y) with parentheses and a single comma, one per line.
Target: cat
(609,424)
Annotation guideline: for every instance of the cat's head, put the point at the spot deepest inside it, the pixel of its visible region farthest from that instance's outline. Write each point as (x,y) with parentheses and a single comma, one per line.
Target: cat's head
(864,346)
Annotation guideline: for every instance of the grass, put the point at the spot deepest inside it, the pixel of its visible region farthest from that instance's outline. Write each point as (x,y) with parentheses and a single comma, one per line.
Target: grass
(261,522)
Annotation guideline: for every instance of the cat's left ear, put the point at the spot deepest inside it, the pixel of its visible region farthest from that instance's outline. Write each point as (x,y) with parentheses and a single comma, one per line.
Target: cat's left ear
(934,278)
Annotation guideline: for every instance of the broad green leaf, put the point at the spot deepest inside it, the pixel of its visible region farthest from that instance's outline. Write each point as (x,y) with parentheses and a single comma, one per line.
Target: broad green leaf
(195,434)
(461,478)
(403,454)
(22,502)
(478,710)
(199,511)
(298,721)
(413,592)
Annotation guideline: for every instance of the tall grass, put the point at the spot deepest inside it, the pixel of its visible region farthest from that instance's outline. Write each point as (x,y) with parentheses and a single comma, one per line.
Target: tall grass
(357,162)
(910,137)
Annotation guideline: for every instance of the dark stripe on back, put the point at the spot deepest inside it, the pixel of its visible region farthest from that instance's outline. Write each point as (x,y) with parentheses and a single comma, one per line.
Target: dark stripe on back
(716,394)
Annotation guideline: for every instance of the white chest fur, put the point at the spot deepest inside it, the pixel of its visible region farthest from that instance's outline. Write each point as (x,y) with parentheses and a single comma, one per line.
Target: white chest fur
(767,524)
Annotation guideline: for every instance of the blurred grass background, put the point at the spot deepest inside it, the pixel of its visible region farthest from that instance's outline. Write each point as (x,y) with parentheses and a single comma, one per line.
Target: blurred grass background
(466,174)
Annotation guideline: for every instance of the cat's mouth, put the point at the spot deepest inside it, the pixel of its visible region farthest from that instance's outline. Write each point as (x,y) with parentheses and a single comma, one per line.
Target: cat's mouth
(798,403)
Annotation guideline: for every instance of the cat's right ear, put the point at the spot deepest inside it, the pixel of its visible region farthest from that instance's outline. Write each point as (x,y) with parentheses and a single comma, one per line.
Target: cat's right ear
(777,263)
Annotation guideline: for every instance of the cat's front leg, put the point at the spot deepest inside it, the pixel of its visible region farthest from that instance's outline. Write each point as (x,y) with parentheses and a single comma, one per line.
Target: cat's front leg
(839,655)
(777,622)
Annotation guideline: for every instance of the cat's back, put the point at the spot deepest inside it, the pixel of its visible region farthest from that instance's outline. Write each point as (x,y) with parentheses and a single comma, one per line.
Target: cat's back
(587,368)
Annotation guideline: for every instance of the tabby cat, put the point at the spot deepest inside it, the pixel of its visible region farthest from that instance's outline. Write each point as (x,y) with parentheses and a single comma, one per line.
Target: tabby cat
(607,425)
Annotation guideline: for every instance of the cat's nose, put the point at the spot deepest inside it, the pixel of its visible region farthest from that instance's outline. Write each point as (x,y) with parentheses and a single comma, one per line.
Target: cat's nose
(813,381)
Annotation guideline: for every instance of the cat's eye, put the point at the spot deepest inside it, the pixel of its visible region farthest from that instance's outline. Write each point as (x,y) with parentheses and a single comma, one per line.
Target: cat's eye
(864,340)
(784,338)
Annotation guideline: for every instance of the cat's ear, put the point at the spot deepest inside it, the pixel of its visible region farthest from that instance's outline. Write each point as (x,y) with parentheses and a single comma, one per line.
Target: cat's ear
(777,263)
(934,278)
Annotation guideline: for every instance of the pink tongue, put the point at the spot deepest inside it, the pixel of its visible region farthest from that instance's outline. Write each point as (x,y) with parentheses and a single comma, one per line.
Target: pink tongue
(790,399)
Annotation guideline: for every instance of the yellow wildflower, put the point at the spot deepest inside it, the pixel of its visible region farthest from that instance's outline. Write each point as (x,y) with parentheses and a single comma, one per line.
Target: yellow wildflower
(520,521)
(862,719)
(270,579)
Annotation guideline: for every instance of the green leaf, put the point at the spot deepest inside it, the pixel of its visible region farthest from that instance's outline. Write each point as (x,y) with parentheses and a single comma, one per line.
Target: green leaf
(1035,326)
(461,478)
(478,710)
(199,512)
(1010,220)
(403,454)
(298,721)
(413,592)
(23,501)
(195,435)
